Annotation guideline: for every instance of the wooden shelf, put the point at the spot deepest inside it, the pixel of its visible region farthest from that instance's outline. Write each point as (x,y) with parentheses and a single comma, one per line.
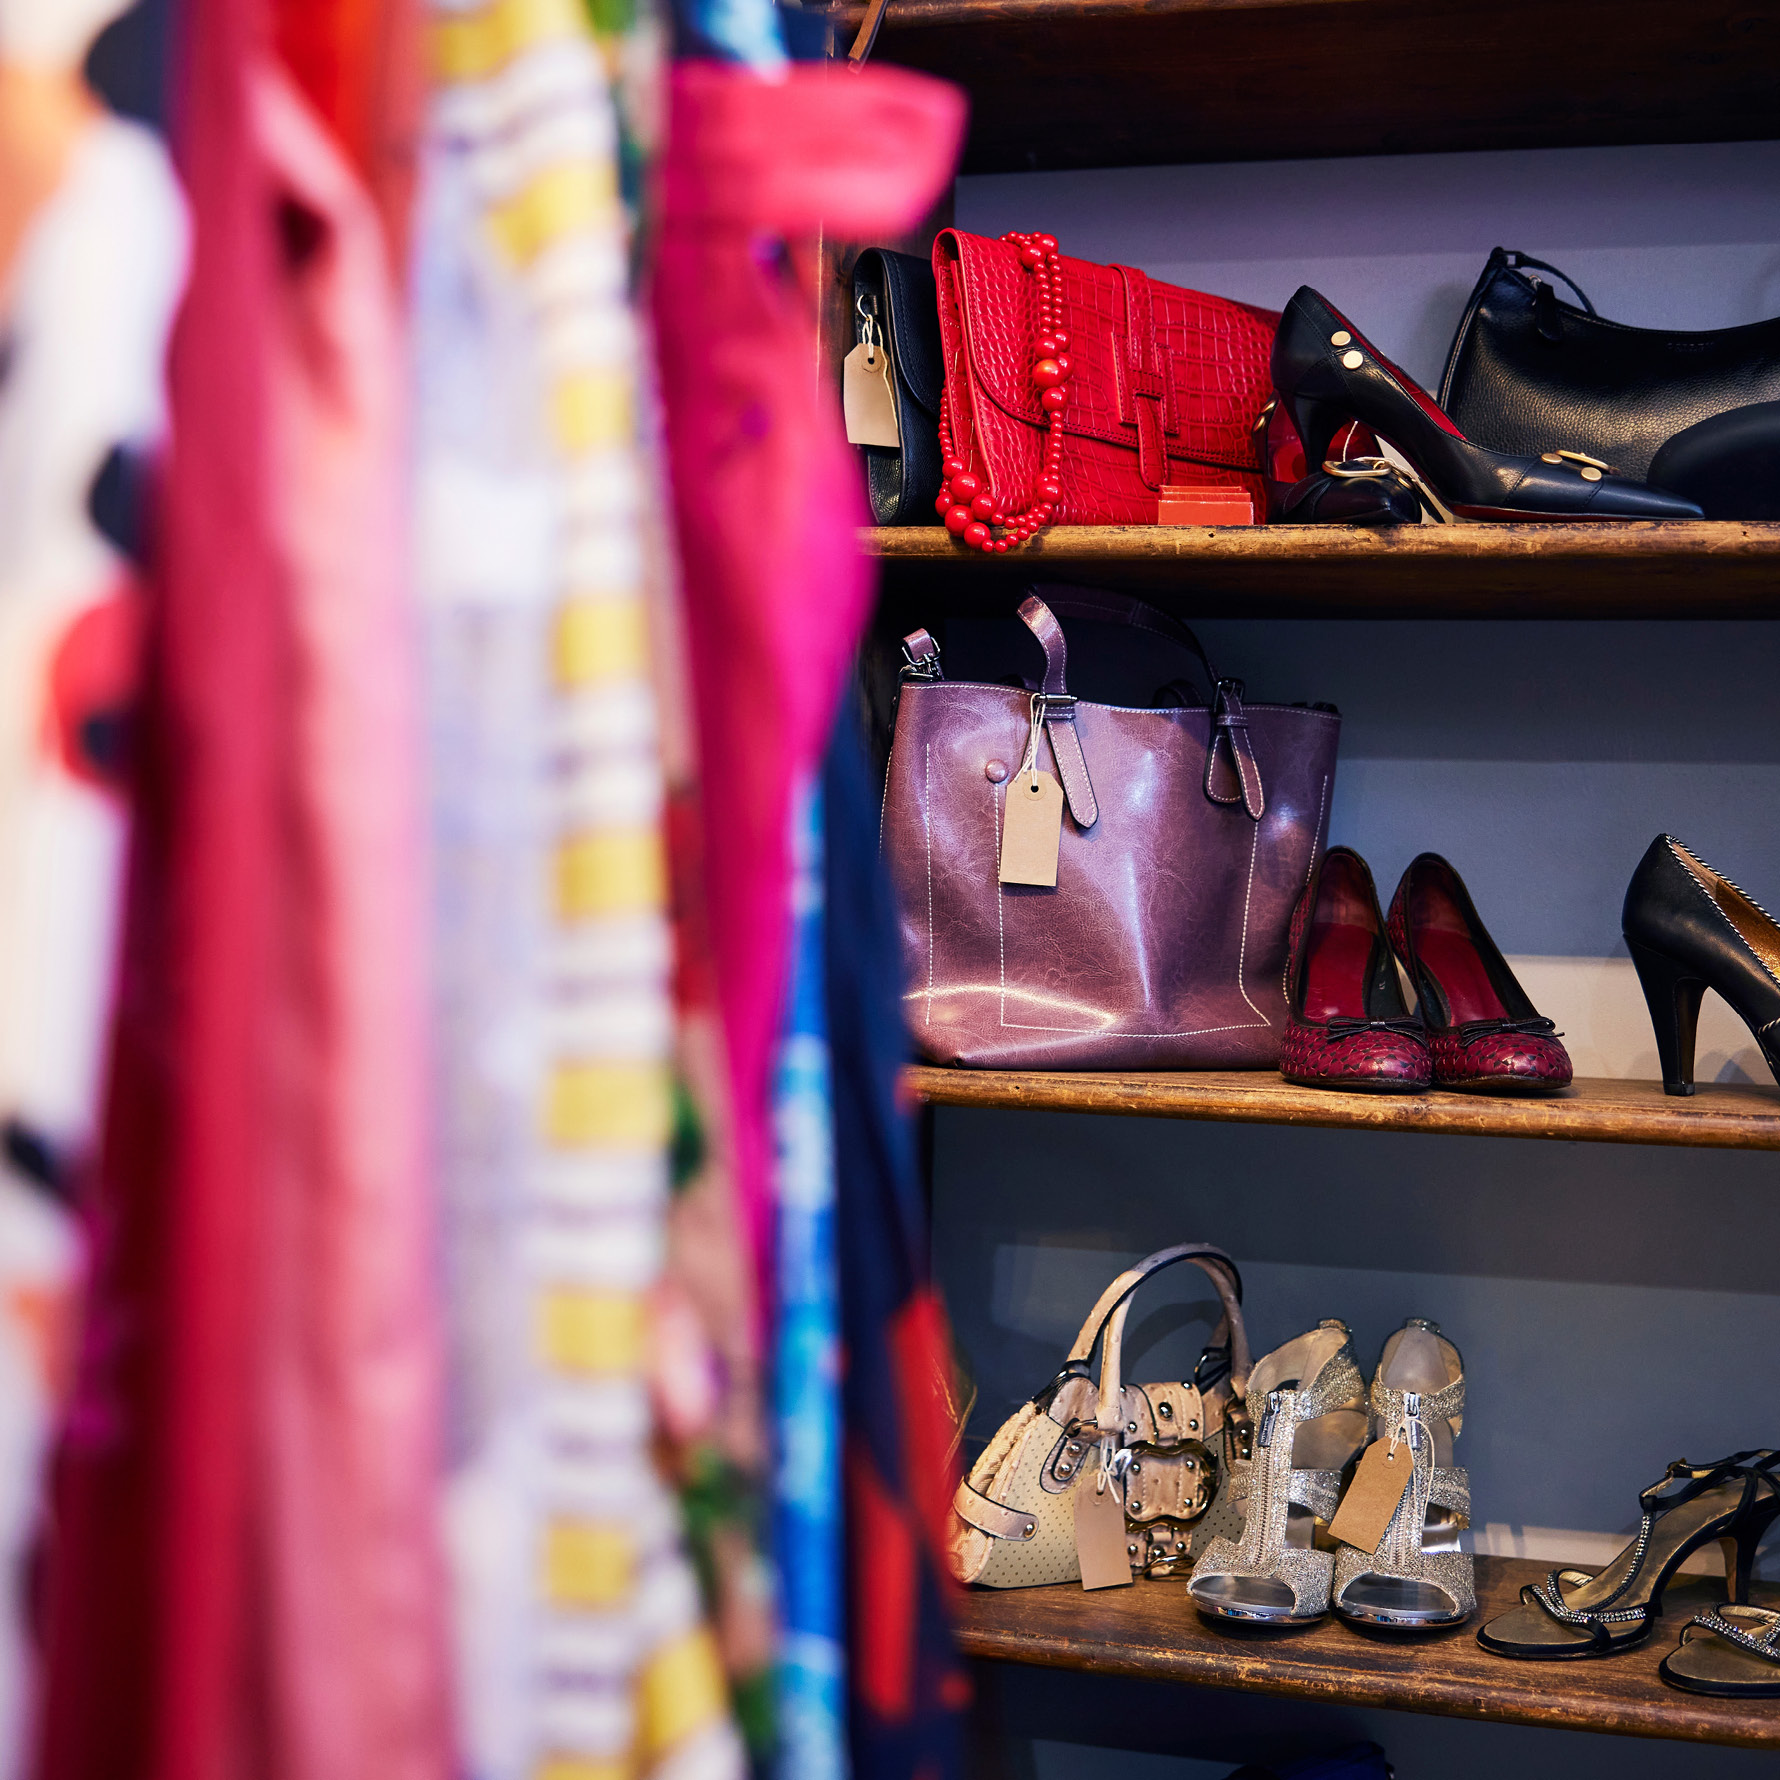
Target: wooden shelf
(1152,1630)
(1717,1117)
(1112,83)
(1678,569)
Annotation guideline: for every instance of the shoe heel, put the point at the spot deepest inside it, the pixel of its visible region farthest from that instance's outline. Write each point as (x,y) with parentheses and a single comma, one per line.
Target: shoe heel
(1739,1561)
(1672,992)
(1317,422)
(1740,1547)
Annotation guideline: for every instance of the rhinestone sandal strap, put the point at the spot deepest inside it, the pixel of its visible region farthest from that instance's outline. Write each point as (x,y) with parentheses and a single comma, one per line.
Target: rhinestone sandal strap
(1550,1595)
(1765,1644)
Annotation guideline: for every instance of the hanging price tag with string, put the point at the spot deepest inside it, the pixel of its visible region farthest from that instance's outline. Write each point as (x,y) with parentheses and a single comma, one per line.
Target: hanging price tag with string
(1032,817)
(867,400)
(1100,1538)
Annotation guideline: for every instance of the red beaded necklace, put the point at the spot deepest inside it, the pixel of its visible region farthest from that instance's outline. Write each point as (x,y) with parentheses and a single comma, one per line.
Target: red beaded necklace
(969,509)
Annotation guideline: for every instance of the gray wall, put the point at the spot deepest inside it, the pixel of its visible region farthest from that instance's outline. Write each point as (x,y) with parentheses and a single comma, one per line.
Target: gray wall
(1616,1306)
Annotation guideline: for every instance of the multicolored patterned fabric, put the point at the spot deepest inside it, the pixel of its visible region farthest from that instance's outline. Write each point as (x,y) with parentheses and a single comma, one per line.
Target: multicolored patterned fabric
(812,1692)
(585,1651)
(905,1686)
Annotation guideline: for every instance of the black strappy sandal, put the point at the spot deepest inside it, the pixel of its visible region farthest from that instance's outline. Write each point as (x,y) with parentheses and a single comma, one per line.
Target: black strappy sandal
(1574,1614)
(1737,1658)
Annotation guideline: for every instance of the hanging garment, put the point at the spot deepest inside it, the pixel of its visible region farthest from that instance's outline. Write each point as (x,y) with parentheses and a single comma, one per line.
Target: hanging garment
(766,494)
(906,1688)
(362,65)
(145,1585)
(245,1566)
(350,1600)
(811,1684)
(584,1654)
(707,1367)
(92,244)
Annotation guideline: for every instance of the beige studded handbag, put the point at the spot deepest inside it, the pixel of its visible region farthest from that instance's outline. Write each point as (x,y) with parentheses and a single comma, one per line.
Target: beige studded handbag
(1165,1448)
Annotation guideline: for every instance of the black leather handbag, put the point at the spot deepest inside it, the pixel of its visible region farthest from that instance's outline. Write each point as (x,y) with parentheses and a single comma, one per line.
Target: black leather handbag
(896,293)
(1529,372)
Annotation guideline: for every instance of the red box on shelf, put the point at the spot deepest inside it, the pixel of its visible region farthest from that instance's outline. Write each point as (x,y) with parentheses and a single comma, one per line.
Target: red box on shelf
(1177,505)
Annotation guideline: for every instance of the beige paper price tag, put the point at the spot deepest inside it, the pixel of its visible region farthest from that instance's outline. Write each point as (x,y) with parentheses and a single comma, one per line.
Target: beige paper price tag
(1371,1499)
(1031,827)
(866,400)
(1100,1539)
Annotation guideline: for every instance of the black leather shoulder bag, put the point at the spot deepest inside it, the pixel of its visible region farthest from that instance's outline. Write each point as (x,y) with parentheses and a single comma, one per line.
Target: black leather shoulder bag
(1529,372)
(896,291)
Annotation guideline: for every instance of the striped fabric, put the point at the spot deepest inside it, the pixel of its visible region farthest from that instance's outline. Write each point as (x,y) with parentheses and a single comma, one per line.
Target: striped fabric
(616,1675)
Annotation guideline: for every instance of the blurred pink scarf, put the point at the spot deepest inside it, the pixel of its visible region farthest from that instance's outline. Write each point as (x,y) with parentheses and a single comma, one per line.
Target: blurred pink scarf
(767,494)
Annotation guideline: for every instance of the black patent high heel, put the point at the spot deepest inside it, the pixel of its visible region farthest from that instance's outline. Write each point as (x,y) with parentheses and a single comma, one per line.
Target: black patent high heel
(1329,375)
(1573,1614)
(1690,929)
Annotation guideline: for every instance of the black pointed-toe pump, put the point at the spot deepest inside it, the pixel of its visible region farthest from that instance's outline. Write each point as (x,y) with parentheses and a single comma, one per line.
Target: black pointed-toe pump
(1690,929)
(1328,374)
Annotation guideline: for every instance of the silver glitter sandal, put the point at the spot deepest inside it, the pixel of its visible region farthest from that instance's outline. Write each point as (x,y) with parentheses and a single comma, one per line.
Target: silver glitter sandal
(1305,1401)
(1417,1577)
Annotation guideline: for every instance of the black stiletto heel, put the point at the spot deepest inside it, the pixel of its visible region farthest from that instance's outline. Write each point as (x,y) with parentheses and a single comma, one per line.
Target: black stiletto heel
(1690,929)
(1740,1550)
(1673,994)
(1317,424)
(1328,374)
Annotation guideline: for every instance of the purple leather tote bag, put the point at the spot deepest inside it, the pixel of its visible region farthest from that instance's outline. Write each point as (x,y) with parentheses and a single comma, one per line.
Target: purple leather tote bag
(1188,835)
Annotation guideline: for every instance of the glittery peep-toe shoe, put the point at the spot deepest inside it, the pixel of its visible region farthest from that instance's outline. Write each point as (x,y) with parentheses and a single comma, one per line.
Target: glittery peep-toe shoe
(1305,1401)
(1573,1614)
(1416,1576)
(1731,1652)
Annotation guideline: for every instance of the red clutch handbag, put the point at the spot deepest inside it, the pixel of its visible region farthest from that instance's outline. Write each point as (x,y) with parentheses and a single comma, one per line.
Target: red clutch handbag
(1075,393)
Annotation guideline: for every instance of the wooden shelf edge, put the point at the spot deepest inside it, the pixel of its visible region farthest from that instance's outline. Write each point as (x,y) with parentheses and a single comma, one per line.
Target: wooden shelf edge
(1634,541)
(1000,14)
(1719,1116)
(1151,1632)
(1679,569)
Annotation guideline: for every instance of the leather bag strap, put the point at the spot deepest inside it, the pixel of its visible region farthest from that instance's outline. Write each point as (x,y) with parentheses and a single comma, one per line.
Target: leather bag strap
(867,35)
(1232,773)
(1229,736)
(1101,606)
(1514,258)
(977,1510)
(1059,712)
(1114,1304)
(1145,387)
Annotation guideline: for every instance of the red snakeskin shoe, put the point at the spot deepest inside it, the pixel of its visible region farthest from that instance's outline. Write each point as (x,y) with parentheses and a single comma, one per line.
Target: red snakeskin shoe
(1348,1026)
(1483,1031)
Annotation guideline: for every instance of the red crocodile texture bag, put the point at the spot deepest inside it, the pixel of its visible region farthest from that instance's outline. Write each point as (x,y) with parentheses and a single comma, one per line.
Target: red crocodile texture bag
(1165,387)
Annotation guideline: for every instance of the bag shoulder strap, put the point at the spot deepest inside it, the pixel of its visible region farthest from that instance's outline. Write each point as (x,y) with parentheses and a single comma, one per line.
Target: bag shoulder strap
(1099,604)
(1502,259)
(1113,1306)
(1232,773)
(1515,260)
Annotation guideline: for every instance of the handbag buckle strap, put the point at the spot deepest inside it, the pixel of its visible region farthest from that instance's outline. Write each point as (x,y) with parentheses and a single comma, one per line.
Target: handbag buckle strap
(920,657)
(1145,382)
(1054,707)
(1230,741)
